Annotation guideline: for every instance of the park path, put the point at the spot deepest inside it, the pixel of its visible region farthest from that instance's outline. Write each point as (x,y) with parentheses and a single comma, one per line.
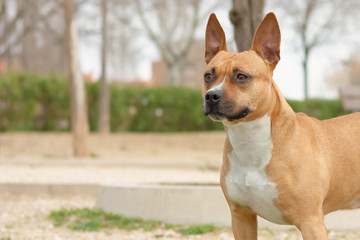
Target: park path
(120,158)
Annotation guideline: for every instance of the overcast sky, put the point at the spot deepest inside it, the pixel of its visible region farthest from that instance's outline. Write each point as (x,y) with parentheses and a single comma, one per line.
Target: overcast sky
(287,75)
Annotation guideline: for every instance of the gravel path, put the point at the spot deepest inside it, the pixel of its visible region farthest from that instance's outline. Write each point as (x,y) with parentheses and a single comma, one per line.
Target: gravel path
(25,217)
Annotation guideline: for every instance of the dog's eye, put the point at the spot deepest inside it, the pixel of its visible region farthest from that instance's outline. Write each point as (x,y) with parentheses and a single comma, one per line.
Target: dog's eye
(241,77)
(208,77)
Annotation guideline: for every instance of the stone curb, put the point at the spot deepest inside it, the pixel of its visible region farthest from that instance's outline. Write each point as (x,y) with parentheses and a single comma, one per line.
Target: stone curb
(183,204)
(189,204)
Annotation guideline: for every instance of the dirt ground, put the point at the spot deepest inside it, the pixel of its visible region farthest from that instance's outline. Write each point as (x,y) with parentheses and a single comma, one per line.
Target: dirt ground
(169,146)
(25,216)
(165,148)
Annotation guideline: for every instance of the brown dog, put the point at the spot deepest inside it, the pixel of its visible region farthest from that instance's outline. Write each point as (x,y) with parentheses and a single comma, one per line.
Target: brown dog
(286,167)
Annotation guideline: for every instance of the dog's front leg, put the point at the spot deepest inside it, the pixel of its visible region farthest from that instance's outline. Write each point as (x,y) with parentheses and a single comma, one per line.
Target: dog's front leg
(244,223)
(313,229)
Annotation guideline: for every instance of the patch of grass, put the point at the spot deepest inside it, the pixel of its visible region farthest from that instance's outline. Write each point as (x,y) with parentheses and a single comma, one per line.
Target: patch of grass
(9,226)
(169,226)
(60,217)
(197,229)
(94,155)
(269,231)
(6,238)
(123,147)
(341,236)
(292,229)
(86,219)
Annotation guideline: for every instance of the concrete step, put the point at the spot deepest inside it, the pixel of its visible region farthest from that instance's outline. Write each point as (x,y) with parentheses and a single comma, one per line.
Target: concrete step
(190,204)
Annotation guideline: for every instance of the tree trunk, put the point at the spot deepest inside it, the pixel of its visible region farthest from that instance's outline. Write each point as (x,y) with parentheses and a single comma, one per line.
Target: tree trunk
(79,120)
(305,75)
(26,44)
(104,107)
(246,16)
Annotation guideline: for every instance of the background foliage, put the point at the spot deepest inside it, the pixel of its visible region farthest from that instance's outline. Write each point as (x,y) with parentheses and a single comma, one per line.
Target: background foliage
(42,103)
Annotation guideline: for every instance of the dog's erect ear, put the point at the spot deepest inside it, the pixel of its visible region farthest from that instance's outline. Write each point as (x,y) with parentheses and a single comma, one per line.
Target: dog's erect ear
(267,39)
(214,38)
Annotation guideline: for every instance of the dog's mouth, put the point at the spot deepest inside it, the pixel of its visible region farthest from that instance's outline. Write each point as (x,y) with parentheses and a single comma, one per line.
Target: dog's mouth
(217,115)
(243,113)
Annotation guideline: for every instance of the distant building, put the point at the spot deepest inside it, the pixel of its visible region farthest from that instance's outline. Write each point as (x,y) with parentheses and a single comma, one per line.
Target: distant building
(133,82)
(159,73)
(192,73)
(3,67)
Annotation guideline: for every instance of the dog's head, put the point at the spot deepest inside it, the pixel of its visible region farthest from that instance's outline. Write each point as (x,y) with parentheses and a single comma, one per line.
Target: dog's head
(237,86)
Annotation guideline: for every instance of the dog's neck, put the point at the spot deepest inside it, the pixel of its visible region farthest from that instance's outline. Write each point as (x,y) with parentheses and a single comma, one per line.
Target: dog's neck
(252,141)
(279,110)
(282,116)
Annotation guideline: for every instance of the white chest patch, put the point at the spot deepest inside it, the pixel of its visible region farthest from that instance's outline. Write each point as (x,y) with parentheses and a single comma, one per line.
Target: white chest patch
(247,182)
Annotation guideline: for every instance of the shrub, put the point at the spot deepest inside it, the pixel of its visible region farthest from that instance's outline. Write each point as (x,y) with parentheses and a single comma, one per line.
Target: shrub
(319,108)
(42,103)
(33,102)
(158,109)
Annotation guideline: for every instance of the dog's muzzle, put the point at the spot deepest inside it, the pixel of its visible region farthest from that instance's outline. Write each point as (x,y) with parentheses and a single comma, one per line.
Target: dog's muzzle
(211,104)
(213,97)
(218,109)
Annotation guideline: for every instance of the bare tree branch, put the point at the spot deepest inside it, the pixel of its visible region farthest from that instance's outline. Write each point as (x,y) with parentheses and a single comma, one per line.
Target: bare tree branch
(172,30)
(316,23)
(20,10)
(19,38)
(194,24)
(151,33)
(57,36)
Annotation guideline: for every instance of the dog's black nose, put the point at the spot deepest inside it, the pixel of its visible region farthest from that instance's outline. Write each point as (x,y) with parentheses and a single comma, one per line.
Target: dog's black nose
(213,97)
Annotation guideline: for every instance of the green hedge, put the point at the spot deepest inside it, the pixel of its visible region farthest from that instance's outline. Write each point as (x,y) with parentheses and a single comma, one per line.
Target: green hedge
(161,109)
(319,108)
(33,102)
(42,103)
